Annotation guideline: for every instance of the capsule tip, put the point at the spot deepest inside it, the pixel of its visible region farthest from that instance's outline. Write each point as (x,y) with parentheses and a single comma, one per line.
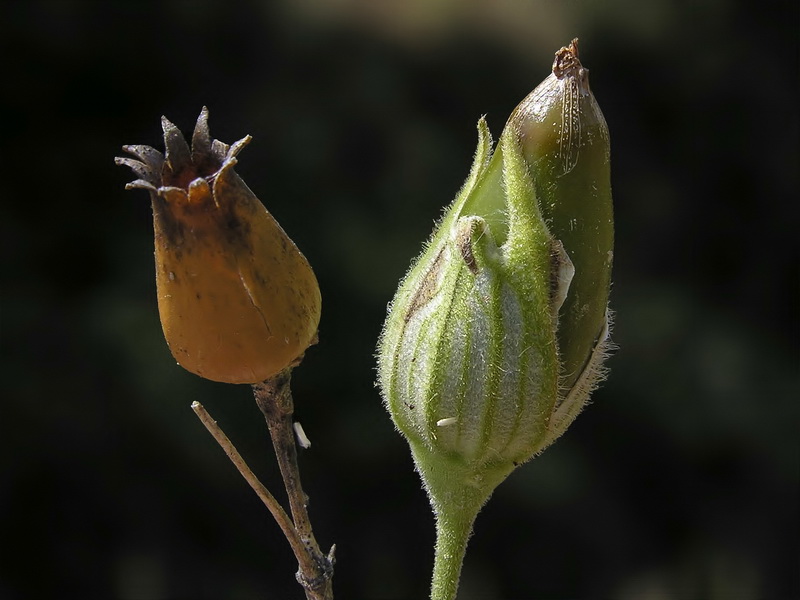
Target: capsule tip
(567,65)
(566,61)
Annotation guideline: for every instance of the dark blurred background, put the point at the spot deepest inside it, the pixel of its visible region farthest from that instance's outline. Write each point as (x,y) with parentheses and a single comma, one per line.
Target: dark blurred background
(679,482)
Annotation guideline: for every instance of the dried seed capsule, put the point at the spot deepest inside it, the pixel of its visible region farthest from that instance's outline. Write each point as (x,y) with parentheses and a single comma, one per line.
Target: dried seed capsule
(238,301)
(496,335)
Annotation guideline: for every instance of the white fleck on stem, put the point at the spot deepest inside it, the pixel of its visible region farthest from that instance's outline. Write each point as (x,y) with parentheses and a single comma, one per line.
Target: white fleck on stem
(301,436)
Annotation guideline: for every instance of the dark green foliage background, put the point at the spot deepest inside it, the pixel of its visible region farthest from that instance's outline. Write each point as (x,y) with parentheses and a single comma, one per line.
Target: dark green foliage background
(680,481)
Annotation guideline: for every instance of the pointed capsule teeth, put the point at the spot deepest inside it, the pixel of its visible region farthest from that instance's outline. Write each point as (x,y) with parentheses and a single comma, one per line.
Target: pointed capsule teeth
(238,146)
(148,166)
(140,169)
(182,164)
(146,154)
(219,150)
(173,195)
(178,154)
(199,191)
(166,124)
(201,138)
(225,174)
(198,184)
(141,184)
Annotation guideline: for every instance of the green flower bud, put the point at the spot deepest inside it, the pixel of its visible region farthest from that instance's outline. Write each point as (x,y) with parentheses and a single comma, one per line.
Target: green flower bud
(496,336)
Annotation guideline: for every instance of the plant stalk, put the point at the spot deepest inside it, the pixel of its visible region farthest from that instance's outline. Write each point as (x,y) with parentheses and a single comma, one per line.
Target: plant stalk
(456,498)
(453,530)
(274,399)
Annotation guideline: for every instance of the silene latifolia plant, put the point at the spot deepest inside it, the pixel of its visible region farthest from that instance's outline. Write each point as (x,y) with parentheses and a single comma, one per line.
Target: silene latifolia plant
(497,335)
(494,340)
(239,303)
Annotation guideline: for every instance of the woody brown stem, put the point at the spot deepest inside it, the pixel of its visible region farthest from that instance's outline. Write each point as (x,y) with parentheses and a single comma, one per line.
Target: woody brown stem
(274,399)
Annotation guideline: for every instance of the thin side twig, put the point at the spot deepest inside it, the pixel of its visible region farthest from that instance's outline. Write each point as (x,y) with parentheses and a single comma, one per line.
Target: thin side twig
(301,552)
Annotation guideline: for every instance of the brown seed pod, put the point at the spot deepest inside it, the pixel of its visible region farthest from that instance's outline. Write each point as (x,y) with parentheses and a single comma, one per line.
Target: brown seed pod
(238,301)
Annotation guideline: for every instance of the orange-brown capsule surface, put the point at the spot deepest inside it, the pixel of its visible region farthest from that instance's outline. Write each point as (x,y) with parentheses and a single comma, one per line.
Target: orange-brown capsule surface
(238,301)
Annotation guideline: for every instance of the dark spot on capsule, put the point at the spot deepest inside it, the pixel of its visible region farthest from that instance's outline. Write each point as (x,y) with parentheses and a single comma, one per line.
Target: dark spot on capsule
(232,222)
(167,224)
(235,230)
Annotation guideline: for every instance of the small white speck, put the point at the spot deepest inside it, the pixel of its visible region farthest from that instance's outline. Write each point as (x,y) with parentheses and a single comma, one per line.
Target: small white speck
(446,422)
(301,436)
(171,276)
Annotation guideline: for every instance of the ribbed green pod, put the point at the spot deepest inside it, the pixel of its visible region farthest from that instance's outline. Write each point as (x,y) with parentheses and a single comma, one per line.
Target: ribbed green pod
(467,309)
(497,334)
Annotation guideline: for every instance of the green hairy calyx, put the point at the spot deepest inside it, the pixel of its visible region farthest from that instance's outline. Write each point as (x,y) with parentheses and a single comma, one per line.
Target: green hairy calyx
(497,334)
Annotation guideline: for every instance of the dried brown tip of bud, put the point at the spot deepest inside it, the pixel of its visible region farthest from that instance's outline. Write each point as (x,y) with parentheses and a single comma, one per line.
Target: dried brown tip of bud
(567,65)
(566,61)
